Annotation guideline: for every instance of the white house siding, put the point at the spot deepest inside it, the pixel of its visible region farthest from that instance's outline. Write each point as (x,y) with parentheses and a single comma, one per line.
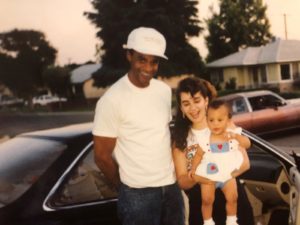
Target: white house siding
(229,73)
(273,73)
(92,92)
(296,70)
(173,81)
(242,78)
(247,81)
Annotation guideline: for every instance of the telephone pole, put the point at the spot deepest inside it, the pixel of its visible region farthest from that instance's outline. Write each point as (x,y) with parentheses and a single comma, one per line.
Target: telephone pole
(285,26)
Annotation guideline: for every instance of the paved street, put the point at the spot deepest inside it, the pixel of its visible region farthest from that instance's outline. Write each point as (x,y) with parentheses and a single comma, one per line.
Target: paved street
(16,123)
(287,141)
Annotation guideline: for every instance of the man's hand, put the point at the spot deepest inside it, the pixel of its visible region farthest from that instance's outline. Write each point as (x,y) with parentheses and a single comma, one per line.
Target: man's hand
(201,180)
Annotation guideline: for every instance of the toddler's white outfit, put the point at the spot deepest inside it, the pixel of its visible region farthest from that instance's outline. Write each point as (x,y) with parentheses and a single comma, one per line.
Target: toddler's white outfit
(219,159)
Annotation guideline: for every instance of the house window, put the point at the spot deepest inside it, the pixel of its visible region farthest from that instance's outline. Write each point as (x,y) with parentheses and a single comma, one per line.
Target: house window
(285,72)
(296,73)
(263,74)
(217,77)
(255,75)
(221,75)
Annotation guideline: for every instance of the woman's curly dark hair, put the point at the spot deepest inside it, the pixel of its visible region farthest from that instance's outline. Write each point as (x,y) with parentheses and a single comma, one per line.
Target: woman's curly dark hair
(182,125)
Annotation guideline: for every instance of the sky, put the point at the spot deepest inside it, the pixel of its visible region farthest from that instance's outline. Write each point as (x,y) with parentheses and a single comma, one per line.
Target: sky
(74,37)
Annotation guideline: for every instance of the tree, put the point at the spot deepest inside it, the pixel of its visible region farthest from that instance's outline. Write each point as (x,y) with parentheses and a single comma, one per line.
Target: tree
(58,80)
(177,20)
(239,24)
(24,54)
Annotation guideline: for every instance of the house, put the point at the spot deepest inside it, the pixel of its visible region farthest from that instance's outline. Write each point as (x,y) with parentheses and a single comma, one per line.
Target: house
(173,81)
(80,75)
(4,90)
(92,92)
(276,64)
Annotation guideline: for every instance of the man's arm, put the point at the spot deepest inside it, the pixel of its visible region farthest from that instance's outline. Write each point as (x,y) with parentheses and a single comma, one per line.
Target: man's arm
(104,147)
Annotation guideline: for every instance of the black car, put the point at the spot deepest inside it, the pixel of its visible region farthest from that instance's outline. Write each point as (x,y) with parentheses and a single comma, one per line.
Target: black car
(49,178)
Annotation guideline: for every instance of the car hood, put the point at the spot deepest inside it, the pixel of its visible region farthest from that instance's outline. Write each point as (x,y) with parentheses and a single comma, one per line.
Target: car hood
(63,132)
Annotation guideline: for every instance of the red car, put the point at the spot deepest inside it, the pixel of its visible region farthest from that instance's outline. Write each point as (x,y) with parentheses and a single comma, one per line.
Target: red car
(264,111)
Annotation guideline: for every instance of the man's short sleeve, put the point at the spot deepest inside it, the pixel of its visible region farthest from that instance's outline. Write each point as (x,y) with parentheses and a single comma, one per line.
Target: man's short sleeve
(106,120)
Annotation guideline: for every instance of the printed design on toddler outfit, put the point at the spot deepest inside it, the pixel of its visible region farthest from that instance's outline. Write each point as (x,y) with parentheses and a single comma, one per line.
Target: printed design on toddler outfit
(212,168)
(219,147)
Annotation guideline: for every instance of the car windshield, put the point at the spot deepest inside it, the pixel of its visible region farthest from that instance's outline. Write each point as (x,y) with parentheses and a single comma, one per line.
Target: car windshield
(22,161)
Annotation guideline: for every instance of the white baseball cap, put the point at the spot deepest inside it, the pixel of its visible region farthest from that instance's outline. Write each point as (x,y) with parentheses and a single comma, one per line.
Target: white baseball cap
(147,41)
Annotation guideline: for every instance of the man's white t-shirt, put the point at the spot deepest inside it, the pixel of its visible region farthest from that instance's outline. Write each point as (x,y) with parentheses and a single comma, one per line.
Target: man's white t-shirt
(139,119)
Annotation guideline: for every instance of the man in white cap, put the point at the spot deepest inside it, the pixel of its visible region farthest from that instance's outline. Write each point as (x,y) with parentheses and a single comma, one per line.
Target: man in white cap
(132,137)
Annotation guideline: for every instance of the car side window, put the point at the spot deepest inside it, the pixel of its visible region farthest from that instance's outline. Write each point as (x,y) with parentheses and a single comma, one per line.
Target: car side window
(239,106)
(273,101)
(85,183)
(257,103)
(265,101)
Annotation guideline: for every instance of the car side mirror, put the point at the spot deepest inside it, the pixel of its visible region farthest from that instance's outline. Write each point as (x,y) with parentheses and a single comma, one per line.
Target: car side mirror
(277,104)
(297,160)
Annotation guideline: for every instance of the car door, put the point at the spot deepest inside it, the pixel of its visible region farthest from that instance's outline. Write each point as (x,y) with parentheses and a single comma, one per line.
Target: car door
(290,114)
(241,113)
(271,113)
(295,196)
(267,114)
(272,184)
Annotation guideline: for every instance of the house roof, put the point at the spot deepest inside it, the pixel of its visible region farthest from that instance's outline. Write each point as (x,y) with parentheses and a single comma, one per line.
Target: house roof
(274,52)
(83,73)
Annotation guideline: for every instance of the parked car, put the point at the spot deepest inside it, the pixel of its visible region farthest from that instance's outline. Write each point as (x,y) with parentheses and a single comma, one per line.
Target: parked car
(264,111)
(49,178)
(44,100)
(10,101)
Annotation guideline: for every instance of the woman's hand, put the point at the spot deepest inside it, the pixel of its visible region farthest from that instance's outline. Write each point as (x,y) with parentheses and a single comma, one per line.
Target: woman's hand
(245,165)
(230,135)
(241,139)
(184,180)
(191,173)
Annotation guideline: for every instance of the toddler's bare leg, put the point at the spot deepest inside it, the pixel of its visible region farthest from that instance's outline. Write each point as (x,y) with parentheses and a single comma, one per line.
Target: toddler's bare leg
(208,197)
(231,196)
